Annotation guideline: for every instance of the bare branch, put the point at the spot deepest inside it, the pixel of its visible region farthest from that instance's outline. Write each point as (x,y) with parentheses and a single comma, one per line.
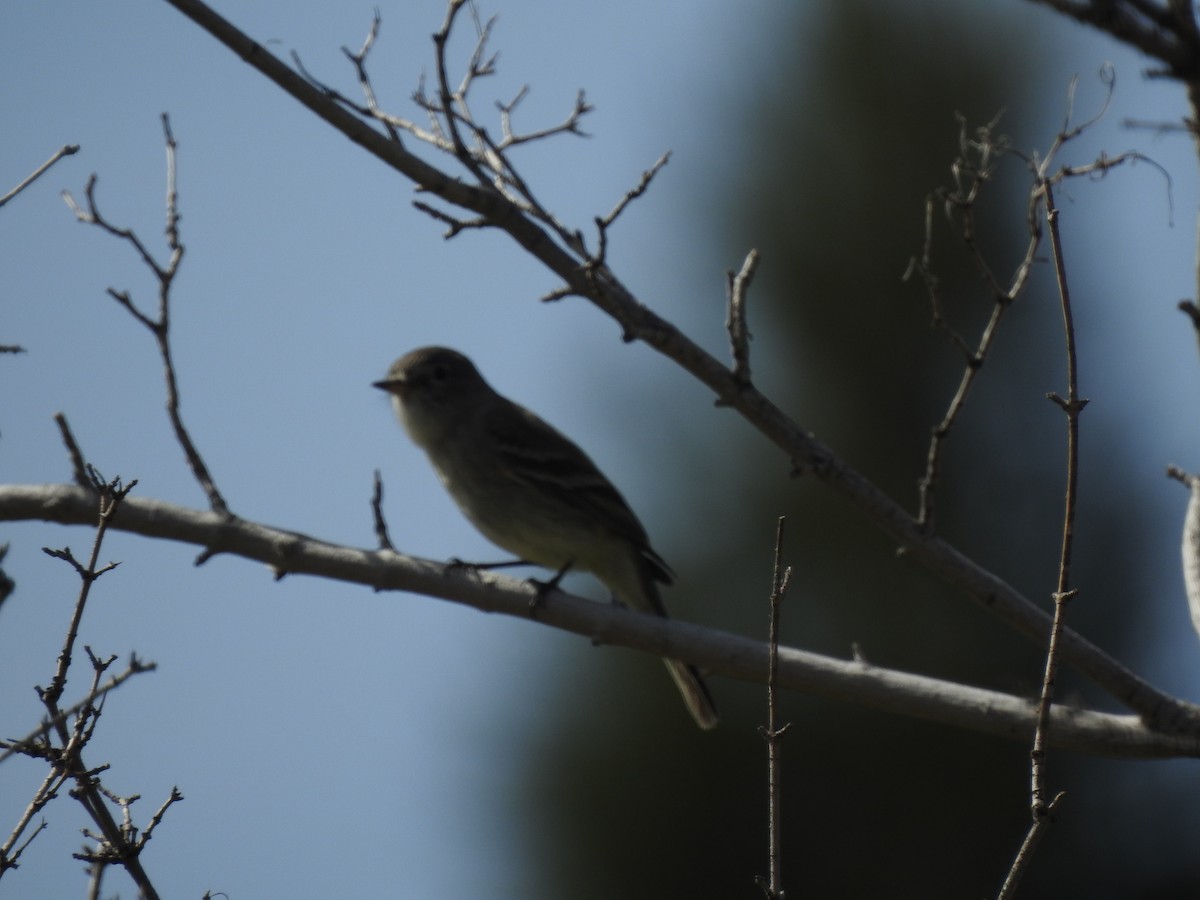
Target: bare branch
(569,125)
(66,150)
(456,225)
(773,734)
(1025,855)
(606,222)
(159,326)
(109,497)
(116,843)
(1073,405)
(737,288)
(738,657)
(972,171)
(359,61)
(78,462)
(27,743)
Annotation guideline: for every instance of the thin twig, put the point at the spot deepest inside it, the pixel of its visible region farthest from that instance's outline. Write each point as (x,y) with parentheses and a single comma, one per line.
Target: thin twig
(772,886)
(160,325)
(155,820)
(1073,405)
(27,743)
(13,846)
(116,842)
(1025,854)
(972,170)
(67,150)
(78,462)
(737,288)
(455,225)
(453,103)
(569,125)
(637,190)
(110,496)
(359,61)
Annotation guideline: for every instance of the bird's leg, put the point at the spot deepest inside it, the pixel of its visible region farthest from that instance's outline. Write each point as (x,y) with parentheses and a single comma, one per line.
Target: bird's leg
(542,588)
(454,564)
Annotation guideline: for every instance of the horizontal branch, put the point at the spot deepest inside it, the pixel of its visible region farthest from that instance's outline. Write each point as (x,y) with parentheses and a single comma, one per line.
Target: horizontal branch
(288,552)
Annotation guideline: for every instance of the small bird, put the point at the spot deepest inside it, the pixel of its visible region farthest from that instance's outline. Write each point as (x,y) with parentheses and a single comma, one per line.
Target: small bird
(530,490)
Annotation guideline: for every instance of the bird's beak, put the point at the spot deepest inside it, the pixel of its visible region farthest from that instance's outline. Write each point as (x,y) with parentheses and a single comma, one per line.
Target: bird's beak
(391,385)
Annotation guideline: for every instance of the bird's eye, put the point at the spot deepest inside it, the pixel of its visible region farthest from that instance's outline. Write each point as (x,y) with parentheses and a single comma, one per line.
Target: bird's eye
(439,373)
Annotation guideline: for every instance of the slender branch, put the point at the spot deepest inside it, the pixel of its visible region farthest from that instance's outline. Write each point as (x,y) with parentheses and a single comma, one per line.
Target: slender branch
(738,657)
(66,150)
(773,734)
(453,103)
(160,325)
(116,843)
(29,742)
(604,223)
(1073,405)
(1025,854)
(569,125)
(79,468)
(359,61)
(737,287)
(13,846)
(110,497)
(972,170)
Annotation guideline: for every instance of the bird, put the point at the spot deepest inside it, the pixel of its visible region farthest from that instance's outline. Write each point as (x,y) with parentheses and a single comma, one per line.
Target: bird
(532,491)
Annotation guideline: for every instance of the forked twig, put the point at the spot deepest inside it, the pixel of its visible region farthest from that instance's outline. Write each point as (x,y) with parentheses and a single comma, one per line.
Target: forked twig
(160,325)
(62,745)
(972,170)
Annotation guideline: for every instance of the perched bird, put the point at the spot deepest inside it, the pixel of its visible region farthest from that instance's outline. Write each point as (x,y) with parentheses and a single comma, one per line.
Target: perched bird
(530,490)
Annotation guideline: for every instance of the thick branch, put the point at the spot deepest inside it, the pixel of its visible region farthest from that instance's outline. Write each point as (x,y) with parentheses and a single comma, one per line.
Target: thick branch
(992,712)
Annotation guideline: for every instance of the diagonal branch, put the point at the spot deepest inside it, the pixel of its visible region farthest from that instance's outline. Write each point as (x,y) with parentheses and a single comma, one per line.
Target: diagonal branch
(66,150)
(637,322)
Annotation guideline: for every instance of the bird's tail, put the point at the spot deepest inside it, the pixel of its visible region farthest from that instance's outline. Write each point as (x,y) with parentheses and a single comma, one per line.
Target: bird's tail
(695,693)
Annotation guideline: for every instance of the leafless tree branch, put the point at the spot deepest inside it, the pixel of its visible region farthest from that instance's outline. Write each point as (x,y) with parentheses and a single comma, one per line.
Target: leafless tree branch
(738,657)
(67,150)
(160,325)
(62,745)
(781,577)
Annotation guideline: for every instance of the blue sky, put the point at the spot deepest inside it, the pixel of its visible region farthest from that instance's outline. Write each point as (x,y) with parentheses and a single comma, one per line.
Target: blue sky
(307,272)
